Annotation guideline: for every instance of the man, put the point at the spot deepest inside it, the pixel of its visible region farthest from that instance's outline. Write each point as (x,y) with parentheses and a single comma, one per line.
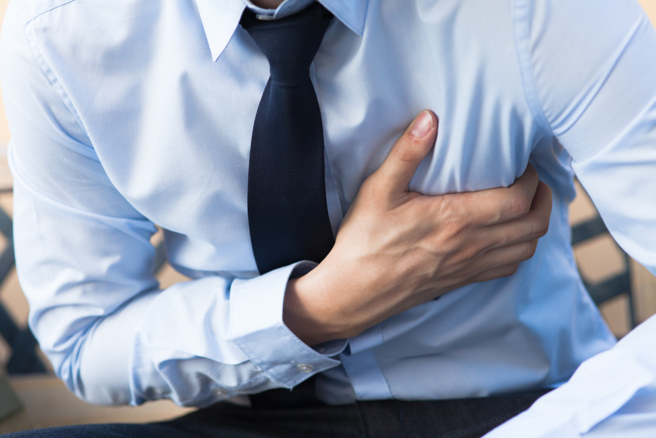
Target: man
(133,113)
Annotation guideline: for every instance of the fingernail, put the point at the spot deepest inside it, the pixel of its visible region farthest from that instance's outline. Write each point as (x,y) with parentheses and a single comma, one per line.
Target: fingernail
(423,125)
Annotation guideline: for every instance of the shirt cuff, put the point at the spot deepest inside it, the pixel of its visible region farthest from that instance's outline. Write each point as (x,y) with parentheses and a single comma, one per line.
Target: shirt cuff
(256,326)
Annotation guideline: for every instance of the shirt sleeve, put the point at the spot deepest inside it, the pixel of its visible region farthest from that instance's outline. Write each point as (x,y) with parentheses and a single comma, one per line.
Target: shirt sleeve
(589,69)
(85,263)
(611,395)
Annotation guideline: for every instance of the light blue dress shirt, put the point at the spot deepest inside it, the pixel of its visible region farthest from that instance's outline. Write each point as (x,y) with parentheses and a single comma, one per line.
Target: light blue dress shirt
(127,114)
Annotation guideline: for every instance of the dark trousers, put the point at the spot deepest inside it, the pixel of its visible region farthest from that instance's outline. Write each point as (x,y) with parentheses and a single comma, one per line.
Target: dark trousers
(463,418)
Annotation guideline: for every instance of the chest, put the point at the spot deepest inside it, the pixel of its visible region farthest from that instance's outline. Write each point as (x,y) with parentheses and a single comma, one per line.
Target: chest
(180,152)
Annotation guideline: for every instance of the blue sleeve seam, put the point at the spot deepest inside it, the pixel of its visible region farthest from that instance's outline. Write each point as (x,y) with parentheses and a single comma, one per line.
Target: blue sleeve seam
(58,87)
(522,32)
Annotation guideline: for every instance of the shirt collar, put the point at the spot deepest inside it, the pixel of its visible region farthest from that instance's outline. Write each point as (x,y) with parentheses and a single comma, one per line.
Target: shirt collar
(221,18)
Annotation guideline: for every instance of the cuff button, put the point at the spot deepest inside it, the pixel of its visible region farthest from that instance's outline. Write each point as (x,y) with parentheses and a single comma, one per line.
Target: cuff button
(220,392)
(304,368)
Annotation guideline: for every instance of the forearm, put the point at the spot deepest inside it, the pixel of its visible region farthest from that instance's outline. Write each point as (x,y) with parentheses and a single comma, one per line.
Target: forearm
(163,344)
(312,311)
(614,388)
(388,258)
(187,343)
(114,337)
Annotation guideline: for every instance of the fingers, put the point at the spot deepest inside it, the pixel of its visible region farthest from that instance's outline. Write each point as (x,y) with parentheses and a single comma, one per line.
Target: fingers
(533,225)
(519,238)
(401,164)
(500,205)
(493,274)
(543,200)
(506,259)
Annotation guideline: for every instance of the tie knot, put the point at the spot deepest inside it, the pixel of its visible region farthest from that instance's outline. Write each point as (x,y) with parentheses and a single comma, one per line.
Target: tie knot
(290,43)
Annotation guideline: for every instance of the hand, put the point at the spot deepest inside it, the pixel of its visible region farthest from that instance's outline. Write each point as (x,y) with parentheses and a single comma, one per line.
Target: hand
(397,249)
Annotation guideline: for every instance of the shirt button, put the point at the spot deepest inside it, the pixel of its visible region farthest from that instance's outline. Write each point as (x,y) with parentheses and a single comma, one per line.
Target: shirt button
(304,368)
(220,392)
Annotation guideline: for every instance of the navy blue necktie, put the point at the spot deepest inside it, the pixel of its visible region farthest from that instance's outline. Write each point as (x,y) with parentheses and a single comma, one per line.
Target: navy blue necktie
(287,210)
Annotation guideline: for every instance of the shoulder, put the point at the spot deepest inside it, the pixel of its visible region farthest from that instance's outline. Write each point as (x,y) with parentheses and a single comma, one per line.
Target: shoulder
(80,14)
(85,33)
(571,48)
(28,10)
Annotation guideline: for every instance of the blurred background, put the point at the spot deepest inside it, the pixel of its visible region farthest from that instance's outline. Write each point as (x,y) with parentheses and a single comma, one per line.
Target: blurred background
(45,401)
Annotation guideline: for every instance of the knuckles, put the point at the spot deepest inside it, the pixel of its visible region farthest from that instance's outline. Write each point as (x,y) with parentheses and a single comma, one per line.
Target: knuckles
(528,249)
(542,228)
(539,228)
(512,269)
(508,270)
(406,150)
(452,210)
(519,207)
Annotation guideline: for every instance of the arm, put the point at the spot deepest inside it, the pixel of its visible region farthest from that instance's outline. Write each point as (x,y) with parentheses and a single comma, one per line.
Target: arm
(85,262)
(397,249)
(599,98)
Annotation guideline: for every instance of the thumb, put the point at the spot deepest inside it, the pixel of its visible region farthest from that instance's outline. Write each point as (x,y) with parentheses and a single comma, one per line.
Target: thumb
(404,158)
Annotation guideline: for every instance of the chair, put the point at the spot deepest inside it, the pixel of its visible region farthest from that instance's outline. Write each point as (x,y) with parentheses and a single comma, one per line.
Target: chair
(614,286)
(23,359)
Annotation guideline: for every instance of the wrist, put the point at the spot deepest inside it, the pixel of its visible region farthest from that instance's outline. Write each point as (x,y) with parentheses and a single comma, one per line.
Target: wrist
(311,309)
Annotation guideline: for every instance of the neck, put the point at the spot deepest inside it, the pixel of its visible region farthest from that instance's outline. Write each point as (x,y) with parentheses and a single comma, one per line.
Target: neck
(267,4)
